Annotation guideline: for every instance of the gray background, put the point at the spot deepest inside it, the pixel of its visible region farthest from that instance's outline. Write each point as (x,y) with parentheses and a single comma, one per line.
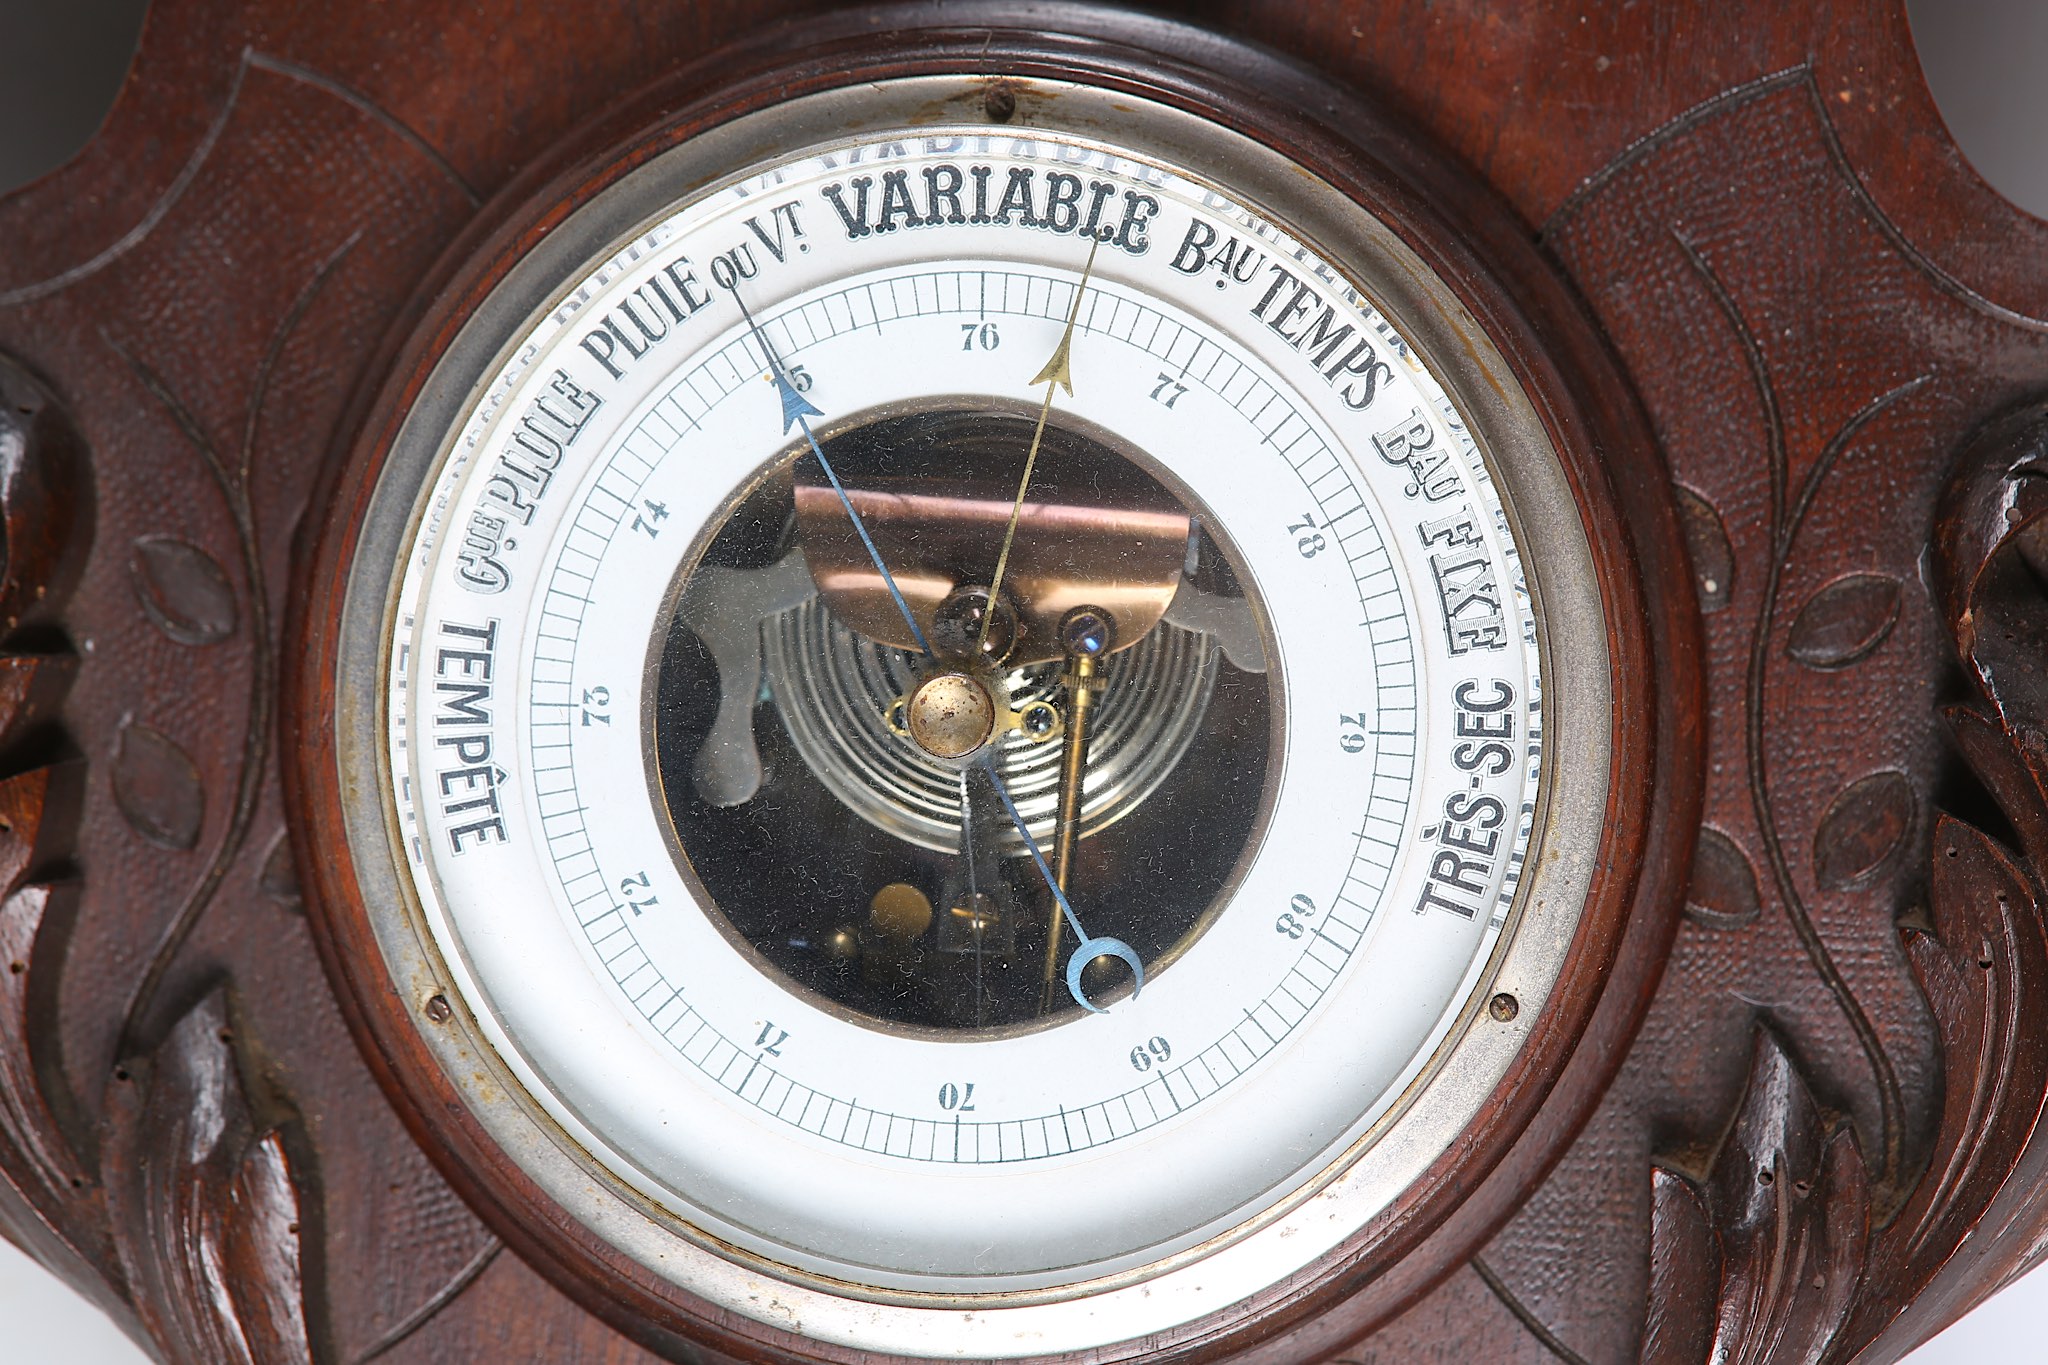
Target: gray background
(61,62)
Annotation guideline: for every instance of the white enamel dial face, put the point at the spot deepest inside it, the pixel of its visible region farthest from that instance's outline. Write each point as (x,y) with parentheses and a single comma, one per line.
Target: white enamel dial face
(711,907)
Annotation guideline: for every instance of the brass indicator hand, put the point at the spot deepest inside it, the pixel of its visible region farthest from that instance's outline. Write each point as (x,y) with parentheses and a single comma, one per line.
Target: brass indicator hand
(1058,372)
(1085,635)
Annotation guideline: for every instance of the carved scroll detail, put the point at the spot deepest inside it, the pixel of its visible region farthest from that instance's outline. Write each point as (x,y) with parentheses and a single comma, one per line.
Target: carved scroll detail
(233,477)
(55,1205)
(1829,636)
(37,1157)
(189,1231)
(1783,1223)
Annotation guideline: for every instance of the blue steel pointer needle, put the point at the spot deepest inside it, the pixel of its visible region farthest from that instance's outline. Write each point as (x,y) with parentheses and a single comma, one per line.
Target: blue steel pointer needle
(798,409)
(1089,948)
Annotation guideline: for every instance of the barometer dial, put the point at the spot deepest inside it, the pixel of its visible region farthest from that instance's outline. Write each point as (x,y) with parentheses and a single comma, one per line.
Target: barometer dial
(997,729)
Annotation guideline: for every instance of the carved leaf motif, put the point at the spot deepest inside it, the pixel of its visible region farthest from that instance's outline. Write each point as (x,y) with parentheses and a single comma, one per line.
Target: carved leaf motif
(1863,827)
(1791,1203)
(1845,621)
(157,787)
(182,590)
(206,1206)
(1985,972)
(1984,968)
(1685,1270)
(1991,518)
(42,489)
(1995,755)
(1706,541)
(60,1204)
(23,800)
(1722,894)
(261,1254)
(36,1156)
(56,1207)
(24,1113)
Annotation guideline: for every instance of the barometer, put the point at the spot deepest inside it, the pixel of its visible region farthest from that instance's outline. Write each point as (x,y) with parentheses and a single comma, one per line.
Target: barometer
(975,714)
(1008,680)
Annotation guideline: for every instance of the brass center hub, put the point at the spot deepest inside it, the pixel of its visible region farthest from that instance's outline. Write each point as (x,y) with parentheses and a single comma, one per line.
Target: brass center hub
(950,715)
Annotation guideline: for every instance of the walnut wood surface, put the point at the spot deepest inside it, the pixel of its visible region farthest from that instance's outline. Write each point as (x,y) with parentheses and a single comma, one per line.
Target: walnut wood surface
(1821,309)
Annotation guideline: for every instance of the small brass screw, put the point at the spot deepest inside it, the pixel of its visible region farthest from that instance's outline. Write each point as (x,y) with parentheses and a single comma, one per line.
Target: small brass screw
(439,1010)
(1504,1007)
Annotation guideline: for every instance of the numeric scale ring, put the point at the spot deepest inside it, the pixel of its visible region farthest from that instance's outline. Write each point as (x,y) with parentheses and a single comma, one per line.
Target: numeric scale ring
(1609,493)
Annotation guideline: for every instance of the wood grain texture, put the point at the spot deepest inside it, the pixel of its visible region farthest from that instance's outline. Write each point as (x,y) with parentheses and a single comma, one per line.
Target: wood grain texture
(1820,309)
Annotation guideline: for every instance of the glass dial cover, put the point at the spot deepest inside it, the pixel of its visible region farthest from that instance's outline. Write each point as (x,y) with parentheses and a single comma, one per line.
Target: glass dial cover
(965,714)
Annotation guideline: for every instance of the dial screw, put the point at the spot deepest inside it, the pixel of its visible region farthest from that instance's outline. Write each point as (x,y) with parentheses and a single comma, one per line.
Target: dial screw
(439,1010)
(999,102)
(1087,633)
(1504,1007)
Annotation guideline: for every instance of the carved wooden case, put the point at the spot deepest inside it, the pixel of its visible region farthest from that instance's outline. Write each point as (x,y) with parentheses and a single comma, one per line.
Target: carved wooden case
(1820,1142)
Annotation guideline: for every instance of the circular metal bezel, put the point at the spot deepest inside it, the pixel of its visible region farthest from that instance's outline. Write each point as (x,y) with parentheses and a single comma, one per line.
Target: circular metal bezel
(1468,1068)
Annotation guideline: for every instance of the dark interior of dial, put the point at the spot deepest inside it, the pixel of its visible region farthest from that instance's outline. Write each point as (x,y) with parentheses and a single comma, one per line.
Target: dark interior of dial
(833,846)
